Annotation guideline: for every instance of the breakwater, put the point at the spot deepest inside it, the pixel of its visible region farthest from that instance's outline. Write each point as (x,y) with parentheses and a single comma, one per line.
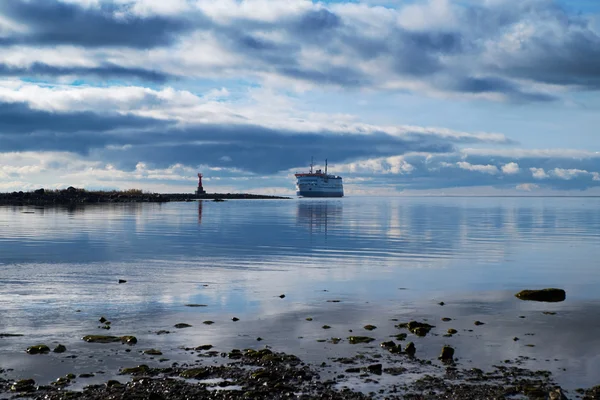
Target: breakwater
(72,196)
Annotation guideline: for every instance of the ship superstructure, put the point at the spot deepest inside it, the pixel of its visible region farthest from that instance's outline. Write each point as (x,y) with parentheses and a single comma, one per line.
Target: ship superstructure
(319,184)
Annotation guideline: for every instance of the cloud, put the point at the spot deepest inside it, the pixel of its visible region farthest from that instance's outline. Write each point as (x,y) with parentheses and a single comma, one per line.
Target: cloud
(568,174)
(510,168)
(527,187)
(490,50)
(51,23)
(105,71)
(486,169)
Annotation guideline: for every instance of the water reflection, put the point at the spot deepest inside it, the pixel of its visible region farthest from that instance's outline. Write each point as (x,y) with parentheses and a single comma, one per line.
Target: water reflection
(319,216)
(200,212)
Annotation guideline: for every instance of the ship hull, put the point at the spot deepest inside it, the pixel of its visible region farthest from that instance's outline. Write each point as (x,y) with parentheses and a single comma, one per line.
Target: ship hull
(306,193)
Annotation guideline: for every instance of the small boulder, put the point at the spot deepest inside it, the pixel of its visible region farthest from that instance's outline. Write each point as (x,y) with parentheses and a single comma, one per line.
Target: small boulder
(551,295)
(24,385)
(60,349)
(38,349)
(360,339)
(122,281)
(447,354)
(370,327)
(182,325)
(375,369)
(410,349)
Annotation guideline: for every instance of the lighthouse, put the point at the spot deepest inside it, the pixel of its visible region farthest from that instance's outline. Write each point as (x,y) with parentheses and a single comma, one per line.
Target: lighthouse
(200,191)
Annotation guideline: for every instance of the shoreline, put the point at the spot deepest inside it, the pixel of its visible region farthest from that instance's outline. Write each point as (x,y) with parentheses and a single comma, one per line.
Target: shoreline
(73,196)
(183,361)
(261,372)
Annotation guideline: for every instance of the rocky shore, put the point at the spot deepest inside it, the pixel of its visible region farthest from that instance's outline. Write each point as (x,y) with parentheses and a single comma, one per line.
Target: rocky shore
(266,374)
(74,196)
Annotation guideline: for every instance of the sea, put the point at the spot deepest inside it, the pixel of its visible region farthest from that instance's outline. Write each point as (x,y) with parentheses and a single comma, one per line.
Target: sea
(295,273)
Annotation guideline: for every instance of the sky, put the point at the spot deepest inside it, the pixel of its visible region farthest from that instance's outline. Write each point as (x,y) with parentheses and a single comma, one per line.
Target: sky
(465,97)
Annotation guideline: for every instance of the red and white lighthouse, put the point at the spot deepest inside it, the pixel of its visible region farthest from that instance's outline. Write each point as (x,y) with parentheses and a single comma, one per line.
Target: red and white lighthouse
(200,190)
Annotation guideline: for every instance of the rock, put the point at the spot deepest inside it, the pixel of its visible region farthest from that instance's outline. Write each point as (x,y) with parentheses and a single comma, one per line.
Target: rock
(109,339)
(60,349)
(546,295)
(204,347)
(195,373)
(370,327)
(282,296)
(139,370)
(235,319)
(196,305)
(113,383)
(557,394)
(375,369)
(446,319)
(353,370)
(447,354)
(326,327)
(24,385)
(10,335)
(401,336)
(38,349)
(86,375)
(102,320)
(479,323)
(128,340)
(441,303)
(410,349)
(418,328)
(515,338)
(309,319)
(360,339)
(208,322)
(153,352)
(452,331)
(122,281)
(182,325)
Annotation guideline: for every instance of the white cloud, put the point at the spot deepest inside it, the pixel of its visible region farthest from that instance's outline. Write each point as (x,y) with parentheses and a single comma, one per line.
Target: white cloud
(486,169)
(568,174)
(510,168)
(538,173)
(527,187)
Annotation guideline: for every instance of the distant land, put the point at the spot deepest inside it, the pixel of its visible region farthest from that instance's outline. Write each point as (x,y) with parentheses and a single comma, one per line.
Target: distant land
(72,196)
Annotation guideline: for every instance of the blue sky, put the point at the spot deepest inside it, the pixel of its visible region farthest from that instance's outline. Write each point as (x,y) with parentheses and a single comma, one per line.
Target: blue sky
(402,97)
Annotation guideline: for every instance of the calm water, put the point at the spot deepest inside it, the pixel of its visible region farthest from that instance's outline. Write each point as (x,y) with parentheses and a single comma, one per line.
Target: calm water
(381,258)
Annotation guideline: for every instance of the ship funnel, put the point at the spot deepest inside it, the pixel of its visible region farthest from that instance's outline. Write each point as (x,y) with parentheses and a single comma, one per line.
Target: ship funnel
(325,166)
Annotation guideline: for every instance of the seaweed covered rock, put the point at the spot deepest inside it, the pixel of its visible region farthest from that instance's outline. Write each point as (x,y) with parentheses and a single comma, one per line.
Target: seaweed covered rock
(24,385)
(447,354)
(38,349)
(410,349)
(360,339)
(110,339)
(551,295)
(139,370)
(60,349)
(418,328)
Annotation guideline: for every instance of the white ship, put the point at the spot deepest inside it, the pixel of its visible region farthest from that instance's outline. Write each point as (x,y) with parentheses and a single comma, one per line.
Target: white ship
(319,184)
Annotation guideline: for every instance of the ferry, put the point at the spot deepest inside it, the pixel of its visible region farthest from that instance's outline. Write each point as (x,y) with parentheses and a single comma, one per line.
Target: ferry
(318,184)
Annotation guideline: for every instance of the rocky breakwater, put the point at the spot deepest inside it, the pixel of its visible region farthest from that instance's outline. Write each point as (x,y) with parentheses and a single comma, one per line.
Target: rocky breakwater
(73,196)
